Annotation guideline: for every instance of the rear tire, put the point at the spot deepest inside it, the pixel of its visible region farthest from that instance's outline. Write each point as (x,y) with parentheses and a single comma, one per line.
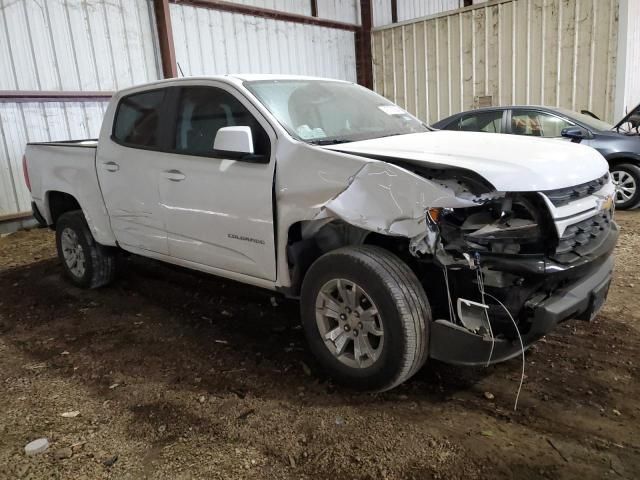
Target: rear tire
(626,178)
(381,342)
(86,263)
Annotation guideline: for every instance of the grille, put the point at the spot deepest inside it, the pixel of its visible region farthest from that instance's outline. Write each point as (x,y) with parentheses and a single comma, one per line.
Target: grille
(582,238)
(562,196)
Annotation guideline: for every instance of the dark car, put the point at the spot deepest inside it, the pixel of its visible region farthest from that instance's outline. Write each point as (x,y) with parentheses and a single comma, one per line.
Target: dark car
(619,144)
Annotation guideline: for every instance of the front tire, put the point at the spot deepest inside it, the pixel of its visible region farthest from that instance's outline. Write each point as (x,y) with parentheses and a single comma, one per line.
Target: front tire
(86,263)
(366,317)
(626,178)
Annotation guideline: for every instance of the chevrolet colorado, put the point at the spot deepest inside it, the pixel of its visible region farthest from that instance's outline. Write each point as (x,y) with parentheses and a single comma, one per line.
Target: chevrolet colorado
(401,242)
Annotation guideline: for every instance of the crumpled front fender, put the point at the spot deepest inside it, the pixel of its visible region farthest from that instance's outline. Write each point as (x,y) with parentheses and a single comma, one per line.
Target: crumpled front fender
(388,199)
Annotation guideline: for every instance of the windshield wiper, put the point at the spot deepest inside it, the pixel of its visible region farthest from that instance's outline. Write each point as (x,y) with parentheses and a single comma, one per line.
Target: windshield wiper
(332,141)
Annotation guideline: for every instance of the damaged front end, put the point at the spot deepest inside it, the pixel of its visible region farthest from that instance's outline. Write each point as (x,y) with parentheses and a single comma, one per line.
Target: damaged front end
(500,269)
(508,276)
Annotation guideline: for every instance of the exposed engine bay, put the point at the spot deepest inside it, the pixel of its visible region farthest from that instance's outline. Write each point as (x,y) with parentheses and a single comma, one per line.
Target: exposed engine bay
(499,262)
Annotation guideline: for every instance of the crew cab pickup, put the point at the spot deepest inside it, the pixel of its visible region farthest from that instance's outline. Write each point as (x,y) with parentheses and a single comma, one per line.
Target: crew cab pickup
(402,243)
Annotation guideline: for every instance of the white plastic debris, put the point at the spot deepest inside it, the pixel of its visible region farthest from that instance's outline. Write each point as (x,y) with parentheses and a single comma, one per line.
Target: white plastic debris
(37,446)
(71,414)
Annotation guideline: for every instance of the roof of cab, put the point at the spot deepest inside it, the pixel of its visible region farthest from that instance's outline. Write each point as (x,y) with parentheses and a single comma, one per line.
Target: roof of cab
(236,78)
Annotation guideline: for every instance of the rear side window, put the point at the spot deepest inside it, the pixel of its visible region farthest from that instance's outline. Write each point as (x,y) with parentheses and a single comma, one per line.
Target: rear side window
(482,122)
(202,111)
(137,120)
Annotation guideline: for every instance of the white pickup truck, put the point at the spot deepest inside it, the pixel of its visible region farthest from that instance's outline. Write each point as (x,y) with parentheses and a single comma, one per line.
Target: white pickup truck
(401,242)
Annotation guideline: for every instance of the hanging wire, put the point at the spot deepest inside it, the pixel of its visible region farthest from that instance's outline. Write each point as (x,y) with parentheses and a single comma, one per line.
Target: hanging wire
(480,278)
(515,325)
(446,280)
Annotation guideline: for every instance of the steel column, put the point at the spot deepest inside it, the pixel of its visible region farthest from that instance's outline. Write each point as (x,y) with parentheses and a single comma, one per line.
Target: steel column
(165,37)
(364,62)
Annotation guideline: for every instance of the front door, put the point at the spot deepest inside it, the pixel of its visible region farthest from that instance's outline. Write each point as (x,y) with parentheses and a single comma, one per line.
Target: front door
(218,210)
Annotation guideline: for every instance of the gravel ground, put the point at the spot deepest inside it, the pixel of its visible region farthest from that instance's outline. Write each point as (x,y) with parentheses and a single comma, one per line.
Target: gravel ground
(181,375)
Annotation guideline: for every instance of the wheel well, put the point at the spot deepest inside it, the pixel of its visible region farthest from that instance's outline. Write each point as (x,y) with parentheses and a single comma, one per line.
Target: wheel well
(620,160)
(309,240)
(59,203)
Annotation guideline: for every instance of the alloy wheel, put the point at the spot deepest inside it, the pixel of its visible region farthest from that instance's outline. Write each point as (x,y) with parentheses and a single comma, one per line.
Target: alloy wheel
(349,323)
(72,252)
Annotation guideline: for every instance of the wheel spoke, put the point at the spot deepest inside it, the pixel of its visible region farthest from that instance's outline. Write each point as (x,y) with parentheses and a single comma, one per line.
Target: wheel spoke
(347,291)
(357,350)
(341,343)
(362,348)
(368,314)
(330,304)
(333,334)
(341,290)
(372,328)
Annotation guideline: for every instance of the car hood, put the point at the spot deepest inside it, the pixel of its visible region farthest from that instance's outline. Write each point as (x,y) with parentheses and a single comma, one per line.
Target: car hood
(509,162)
(634,112)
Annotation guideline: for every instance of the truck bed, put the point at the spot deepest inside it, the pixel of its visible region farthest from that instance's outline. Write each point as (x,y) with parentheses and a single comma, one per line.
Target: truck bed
(68,168)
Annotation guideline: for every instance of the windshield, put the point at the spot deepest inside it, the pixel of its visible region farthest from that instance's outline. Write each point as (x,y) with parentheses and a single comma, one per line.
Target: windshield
(325,112)
(592,123)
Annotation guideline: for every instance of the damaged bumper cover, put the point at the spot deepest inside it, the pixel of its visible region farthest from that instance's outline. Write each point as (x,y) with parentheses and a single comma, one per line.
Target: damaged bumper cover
(582,290)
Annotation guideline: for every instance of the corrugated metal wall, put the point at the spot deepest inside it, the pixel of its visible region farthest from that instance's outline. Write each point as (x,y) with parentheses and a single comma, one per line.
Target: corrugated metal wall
(410,9)
(209,42)
(341,10)
(76,45)
(72,45)
(301,7)
(632,64)
(347,11)
(38,122)
(552,52)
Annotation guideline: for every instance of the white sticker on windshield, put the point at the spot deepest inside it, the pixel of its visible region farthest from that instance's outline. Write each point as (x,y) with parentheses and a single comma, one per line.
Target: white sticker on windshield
(392,110)
(307,133)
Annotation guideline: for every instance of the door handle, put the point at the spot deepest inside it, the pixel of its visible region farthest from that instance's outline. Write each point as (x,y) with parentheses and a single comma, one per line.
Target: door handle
(174,175)
(111,166)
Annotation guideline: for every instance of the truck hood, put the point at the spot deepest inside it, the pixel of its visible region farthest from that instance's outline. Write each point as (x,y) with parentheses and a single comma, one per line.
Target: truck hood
(510,163)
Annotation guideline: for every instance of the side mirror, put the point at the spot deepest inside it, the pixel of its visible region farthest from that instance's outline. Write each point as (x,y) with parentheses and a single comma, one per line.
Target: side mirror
(236,141)
(576,134)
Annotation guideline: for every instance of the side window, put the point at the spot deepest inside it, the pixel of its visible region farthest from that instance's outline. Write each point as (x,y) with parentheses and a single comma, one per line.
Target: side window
(537,124)
(482,122)
(137,119)
(202,111)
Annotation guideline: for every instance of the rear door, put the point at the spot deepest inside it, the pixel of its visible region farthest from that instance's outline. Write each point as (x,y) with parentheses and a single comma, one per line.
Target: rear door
(129,165)
(219,210)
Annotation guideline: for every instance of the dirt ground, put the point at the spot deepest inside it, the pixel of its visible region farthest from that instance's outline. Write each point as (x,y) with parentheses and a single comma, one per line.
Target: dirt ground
(181,375)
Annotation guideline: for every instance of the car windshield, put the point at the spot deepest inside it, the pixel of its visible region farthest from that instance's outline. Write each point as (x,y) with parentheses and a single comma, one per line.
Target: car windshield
(325,112)
(592,123)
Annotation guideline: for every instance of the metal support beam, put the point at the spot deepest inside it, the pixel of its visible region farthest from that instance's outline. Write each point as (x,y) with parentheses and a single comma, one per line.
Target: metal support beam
(269,13)
(364,61)
(314,8)
(24,96)
(165,37)
(394,11)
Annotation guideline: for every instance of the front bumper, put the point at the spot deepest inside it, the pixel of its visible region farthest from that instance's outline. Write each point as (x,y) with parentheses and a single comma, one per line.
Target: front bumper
(579,298)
